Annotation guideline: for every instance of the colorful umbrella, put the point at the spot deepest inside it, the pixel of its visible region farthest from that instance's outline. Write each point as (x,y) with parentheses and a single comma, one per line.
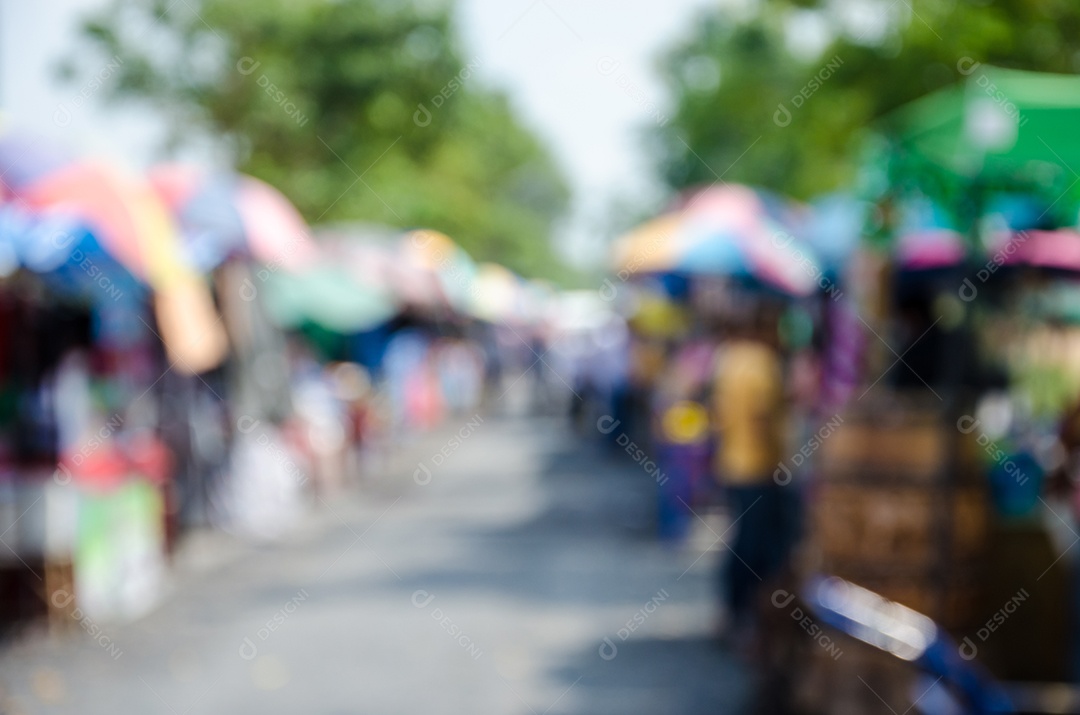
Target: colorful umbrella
(649,248)
(729,230)
(130,222)
(222,213)
(122,211)
(436,252)
(71,262)
(497,294)
(378,257)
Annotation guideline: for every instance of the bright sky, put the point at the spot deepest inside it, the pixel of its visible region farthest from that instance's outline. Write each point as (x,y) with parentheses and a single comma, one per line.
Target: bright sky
(580,72)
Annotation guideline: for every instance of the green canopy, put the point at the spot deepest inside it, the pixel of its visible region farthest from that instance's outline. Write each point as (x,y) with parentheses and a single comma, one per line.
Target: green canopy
(328,296)
(998,132)
(997,125)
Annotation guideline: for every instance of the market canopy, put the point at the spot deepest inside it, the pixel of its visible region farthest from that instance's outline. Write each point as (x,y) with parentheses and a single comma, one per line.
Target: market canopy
(128,219)
(497,295)
(728,230)
(327,295)
(221,213)
(1000,126)
(380,257)
(437,253)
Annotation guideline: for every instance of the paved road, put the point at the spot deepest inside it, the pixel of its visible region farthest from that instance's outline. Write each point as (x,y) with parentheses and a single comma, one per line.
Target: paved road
(489,590)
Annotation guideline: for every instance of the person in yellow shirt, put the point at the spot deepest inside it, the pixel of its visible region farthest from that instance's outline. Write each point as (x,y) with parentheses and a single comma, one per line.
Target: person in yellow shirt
(749,412)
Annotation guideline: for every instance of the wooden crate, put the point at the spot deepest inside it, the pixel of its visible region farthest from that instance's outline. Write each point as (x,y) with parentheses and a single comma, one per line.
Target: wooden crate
(912,451)
(862,681)
(896,525)
(898,438)
(888,538)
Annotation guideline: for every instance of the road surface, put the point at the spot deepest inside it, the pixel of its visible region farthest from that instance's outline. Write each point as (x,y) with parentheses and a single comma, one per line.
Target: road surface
(522,577)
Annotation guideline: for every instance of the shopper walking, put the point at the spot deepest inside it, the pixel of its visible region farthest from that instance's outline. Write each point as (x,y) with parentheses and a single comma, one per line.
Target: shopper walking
(748,405)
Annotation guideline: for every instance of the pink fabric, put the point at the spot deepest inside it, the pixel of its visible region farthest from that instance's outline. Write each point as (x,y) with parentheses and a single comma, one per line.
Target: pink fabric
(934,248)
(1048,249)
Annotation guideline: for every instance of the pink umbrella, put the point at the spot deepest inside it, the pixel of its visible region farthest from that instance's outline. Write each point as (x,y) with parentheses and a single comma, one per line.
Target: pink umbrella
(737,230)
(220,213)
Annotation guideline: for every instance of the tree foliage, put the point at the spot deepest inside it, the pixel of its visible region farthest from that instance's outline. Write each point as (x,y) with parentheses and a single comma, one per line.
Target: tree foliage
(356,109)
(744,68)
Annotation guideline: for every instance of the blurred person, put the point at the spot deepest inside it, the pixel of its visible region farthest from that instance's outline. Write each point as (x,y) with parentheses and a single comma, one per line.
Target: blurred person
(610,365)
(424,397)
(749,411)
(405,371)
(460,369)
(352,388)
(324,417)
(680,431)
(646,364)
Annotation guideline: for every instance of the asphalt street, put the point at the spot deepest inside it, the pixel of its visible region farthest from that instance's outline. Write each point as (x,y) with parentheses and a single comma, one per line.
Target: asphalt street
(517,573)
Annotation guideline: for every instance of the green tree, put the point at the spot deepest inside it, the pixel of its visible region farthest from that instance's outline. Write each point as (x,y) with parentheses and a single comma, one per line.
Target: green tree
(356,109)
(735,78)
